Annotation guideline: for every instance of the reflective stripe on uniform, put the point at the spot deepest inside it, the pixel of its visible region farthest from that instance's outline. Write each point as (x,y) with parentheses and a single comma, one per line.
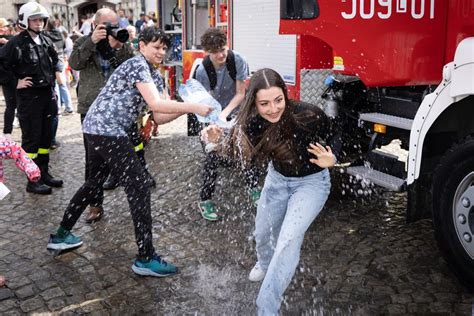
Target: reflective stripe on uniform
(43,151)
(32,156)
(139,147)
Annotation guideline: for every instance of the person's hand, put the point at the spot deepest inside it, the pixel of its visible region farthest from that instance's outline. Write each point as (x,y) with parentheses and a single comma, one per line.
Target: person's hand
(59,78)
(223,115)
(3,41)
(99,34)
(204,110)
(211,134)
(24,83)
(324,156)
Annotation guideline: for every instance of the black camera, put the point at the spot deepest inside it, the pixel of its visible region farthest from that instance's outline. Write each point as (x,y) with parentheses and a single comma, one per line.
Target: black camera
(116,32)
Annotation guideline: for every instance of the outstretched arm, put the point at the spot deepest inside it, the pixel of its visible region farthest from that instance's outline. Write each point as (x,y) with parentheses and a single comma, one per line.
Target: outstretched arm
(152,97)
(161,118)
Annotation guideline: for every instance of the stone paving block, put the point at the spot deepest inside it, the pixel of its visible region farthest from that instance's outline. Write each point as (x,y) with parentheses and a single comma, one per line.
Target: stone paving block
(32,304)
(52,293)
(418,308)
(15,283)
(9,304)
(56,304)
(44,284)
(440,307)
(422,297)
(6,293)
(26,291)
(401,299)
(396,309)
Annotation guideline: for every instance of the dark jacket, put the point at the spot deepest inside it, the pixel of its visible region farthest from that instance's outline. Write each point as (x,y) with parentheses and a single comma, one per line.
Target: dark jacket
(91,80)
(21,57)
(313,126)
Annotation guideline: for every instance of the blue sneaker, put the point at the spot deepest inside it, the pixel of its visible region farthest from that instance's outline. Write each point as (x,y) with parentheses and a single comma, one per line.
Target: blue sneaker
(62,243)
(156,267)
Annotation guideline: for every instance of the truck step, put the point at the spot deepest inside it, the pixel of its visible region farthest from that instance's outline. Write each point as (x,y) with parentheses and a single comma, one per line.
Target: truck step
(382,179)
(386,163)
(389,120)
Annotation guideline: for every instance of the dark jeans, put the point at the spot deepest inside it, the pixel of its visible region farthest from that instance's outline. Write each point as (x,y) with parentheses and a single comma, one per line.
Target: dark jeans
(9,93)
(115,154)
(212,162)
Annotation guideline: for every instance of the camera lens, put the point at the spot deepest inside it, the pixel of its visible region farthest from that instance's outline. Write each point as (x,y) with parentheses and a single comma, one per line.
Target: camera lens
(121,35)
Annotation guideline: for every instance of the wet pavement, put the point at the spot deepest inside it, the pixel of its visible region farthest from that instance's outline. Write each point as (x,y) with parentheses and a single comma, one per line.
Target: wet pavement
(359,257)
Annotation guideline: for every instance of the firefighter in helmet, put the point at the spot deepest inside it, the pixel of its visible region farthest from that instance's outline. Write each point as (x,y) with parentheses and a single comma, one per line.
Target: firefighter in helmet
(29,58)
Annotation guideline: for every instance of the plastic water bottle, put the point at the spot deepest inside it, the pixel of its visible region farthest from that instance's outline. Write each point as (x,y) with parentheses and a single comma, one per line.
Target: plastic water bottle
(194,92)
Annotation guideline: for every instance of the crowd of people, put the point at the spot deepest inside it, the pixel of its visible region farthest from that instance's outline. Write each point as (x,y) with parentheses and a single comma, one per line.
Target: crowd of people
(117,82)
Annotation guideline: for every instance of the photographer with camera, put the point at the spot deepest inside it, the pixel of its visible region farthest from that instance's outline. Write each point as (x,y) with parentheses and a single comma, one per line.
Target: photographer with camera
(96,57)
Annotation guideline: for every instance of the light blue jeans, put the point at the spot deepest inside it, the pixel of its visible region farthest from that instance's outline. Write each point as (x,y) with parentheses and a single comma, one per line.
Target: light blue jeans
(287,207)
(64,97)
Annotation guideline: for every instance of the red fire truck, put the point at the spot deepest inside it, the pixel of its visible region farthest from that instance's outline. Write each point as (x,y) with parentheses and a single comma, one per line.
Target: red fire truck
(398,69)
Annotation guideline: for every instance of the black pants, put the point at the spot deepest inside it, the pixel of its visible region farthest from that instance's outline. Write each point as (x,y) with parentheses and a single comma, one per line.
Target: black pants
(116,155)
(36,110)
(9,93)
(212,162)
(98,199)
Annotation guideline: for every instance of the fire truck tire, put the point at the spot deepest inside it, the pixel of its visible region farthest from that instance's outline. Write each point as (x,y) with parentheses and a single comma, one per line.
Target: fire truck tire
(453,209)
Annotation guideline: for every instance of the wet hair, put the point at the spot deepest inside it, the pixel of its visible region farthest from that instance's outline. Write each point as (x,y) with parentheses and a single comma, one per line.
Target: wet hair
(276,142)
(153,34)
(213,39)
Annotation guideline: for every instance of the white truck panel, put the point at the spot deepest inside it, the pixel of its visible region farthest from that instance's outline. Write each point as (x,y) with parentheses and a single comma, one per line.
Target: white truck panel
(256,37)
(457,84)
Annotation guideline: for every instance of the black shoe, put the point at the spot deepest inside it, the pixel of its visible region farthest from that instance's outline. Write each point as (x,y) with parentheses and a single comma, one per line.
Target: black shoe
(48,179)
(55,145)
(111,183)
(38,188)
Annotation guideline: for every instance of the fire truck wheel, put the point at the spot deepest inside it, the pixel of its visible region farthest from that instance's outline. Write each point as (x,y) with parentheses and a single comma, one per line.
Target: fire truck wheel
(453,209)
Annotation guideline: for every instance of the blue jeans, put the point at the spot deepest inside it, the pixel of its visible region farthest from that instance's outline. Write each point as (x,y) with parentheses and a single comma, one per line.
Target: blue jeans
(287,207)
(64,97)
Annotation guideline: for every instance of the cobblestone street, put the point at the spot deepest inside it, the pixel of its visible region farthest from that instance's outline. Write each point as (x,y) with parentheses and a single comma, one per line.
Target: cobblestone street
(359,257)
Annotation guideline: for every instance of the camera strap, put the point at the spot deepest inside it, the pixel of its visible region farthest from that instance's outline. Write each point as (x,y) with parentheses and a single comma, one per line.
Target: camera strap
(107,52)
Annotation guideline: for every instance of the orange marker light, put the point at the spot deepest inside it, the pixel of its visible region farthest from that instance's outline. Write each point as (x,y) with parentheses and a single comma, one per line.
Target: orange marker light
(379,128)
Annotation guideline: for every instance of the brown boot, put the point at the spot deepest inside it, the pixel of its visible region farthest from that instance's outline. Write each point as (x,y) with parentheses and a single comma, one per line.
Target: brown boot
(95,214)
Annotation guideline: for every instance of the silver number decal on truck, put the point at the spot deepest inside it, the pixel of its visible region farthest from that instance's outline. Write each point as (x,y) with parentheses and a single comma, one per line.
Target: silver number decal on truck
(367,10)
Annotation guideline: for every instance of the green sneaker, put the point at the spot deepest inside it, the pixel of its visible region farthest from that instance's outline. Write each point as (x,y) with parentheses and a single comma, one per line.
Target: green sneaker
(255,195)
(156,267)
(208,210)
(68,241)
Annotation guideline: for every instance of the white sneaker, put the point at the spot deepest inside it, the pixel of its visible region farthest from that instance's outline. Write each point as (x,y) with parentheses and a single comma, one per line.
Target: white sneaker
(257,274)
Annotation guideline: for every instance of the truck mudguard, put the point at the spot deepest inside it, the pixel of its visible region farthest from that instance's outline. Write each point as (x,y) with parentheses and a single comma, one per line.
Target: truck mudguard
(457,84)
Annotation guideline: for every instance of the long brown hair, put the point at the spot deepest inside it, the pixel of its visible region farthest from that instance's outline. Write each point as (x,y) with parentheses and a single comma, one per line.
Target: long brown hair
(276,141)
